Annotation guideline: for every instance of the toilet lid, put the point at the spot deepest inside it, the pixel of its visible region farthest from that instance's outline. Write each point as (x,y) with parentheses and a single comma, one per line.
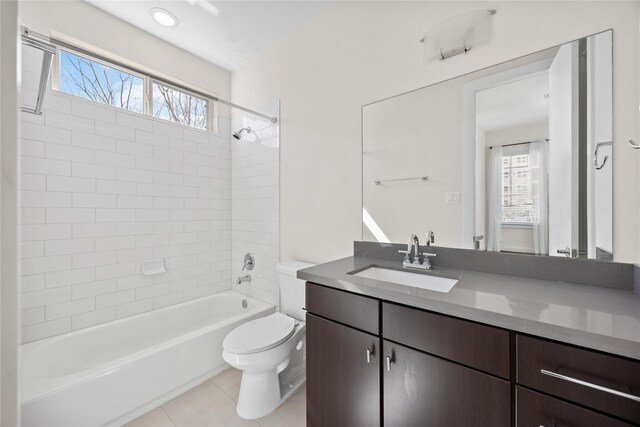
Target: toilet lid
(259,334)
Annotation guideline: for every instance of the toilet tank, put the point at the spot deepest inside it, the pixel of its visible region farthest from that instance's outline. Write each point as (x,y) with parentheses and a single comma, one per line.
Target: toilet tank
(292,289)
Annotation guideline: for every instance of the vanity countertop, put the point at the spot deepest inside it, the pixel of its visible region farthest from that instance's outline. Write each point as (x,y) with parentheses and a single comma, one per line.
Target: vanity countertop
(589,316)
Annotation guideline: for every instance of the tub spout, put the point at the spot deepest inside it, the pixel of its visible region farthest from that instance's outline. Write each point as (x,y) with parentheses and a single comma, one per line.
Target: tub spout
(242,279)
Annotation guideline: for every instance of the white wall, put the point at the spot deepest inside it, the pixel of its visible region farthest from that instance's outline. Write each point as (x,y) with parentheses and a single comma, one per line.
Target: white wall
(9,295)
(255,161)
(528,132)
(113,37)
(415,135)
(358,52)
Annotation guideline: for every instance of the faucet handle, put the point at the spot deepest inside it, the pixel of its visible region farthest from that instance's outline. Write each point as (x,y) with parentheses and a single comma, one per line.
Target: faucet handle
(425,259)
(431,238)
(406,254)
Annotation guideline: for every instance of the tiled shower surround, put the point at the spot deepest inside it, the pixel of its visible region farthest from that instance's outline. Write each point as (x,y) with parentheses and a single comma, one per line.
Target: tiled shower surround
(255,198)
(102,190)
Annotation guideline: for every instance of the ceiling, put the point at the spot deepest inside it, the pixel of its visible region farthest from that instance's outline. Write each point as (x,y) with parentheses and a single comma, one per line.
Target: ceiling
(225,33)
(516,103)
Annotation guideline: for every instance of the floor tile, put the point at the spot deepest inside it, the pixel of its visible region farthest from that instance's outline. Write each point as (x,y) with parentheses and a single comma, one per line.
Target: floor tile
(155,418)
(213,404)
(292,413)
(229,381)
(205,406)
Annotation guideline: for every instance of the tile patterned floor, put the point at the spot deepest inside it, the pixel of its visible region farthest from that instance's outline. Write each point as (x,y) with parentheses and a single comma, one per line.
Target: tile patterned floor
(213,404)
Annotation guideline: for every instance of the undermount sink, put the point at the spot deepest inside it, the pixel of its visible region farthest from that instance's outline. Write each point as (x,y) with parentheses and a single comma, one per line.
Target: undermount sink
(407,278)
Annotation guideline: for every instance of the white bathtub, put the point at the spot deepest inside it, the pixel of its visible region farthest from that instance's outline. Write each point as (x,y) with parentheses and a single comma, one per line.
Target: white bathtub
(112,373)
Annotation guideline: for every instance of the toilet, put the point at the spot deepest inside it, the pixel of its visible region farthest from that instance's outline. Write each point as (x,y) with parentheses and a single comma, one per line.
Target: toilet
(270,350)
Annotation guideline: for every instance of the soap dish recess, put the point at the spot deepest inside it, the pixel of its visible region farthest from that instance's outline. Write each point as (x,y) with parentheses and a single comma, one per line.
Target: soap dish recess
(152,267)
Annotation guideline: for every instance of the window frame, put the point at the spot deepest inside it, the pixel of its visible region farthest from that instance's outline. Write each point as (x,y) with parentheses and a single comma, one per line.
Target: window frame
(149,96)
(148,80)
(55,81)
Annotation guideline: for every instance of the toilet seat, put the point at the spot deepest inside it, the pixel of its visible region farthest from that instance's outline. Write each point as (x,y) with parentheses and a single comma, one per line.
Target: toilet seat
(260,334)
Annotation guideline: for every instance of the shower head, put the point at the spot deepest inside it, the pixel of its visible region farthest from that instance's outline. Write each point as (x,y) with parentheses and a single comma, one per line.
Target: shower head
(238,134)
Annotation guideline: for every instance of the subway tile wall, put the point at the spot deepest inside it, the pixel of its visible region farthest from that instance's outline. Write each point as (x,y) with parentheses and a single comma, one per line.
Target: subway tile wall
(255,169)
(103,189)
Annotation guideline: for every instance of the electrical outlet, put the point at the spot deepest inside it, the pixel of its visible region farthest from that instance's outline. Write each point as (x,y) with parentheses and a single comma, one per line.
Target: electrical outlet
(453,197)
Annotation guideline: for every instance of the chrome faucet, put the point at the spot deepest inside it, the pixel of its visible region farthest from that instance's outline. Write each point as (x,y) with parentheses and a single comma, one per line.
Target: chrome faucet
(242,279)
(416,262)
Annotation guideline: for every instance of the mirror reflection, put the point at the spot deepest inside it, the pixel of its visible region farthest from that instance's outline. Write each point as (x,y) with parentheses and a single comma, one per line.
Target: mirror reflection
(513,158)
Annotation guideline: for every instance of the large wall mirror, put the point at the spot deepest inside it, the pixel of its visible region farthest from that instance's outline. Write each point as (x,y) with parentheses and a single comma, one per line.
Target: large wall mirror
(514,158)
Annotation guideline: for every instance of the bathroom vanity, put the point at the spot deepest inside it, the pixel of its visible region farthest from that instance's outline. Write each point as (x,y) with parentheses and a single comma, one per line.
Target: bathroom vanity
(496,350)
(509,160)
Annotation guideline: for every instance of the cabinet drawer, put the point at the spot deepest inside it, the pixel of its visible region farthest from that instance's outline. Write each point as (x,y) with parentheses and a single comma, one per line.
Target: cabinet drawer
(344,307)
(538,410)
(481,347)
(603,382)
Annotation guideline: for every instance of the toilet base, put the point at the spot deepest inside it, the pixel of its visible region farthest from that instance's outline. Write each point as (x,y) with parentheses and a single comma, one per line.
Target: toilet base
(259,394)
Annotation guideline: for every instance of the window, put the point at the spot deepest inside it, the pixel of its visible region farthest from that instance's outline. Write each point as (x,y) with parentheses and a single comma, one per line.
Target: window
(178,106)
(518,193)
(89,79)
(100,81)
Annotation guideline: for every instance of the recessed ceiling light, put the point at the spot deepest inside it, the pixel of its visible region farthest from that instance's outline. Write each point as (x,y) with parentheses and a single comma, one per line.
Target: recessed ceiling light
(163,17)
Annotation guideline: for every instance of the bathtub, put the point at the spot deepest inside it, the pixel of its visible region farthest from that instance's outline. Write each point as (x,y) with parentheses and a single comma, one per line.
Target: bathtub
(112,373)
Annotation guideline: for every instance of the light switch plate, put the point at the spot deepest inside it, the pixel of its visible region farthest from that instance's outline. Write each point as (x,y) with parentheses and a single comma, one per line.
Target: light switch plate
(453,197)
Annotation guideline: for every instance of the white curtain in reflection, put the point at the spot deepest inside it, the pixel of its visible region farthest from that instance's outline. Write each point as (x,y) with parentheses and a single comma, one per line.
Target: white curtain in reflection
(495,200)
(538,155)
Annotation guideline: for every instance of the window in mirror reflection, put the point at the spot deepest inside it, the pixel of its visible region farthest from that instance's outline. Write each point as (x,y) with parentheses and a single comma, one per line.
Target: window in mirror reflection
(518,193)
(518,196)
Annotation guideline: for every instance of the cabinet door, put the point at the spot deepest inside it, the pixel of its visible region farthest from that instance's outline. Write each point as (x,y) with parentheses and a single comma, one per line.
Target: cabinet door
(424,390)
(343,383)
(537,410)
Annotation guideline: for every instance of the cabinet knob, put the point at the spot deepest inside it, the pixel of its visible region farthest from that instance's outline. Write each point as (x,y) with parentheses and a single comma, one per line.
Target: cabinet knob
(370,351)
(389,363)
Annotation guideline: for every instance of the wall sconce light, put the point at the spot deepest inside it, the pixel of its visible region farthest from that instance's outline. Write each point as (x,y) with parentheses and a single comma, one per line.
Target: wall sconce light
(458,35)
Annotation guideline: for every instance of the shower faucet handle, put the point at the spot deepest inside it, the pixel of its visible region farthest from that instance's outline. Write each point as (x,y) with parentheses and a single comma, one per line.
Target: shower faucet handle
(249,262)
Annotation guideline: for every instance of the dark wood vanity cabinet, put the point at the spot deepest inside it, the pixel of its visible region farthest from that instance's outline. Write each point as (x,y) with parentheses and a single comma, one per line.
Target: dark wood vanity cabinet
(373,362)
(357,376)
(343,375)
